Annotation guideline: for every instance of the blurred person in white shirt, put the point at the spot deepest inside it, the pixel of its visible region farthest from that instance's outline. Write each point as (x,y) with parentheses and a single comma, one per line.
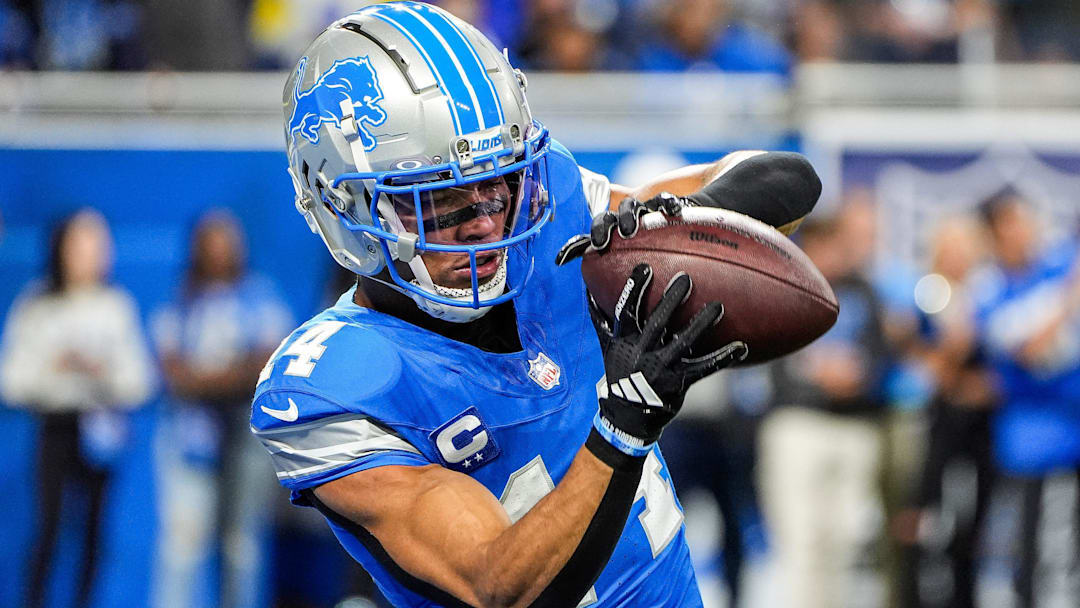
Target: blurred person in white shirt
(74,355)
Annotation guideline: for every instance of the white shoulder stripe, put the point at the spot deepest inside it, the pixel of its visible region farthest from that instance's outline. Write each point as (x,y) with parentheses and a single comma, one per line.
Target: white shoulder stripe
(304,449)
(386,442)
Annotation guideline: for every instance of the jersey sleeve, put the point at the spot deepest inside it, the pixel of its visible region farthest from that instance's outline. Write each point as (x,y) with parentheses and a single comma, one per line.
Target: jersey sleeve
(330,446)
(597,190)
(321,416)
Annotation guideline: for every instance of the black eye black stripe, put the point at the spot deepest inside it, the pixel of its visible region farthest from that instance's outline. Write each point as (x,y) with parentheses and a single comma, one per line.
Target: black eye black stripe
(455,218)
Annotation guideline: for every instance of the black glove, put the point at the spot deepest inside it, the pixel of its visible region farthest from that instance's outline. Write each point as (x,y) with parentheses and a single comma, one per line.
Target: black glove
(625,220)
(646,372)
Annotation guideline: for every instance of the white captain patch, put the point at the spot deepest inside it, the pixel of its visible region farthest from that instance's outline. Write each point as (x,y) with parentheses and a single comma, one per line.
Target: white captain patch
(544,372)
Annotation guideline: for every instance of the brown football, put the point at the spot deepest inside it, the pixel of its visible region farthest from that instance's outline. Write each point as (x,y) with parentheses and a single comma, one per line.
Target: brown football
(774,298)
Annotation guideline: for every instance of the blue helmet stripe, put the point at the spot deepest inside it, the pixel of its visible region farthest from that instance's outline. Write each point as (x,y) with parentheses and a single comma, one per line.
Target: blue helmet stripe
(490,105)
(464,59)
(451,80)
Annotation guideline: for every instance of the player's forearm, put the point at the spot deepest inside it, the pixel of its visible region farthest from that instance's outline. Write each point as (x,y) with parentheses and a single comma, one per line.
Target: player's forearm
(687,180)
(524,560)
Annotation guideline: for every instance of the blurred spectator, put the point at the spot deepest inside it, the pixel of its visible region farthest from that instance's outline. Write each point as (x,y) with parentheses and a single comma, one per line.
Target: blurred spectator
(280,30)
(214,480)
(74,356)
(573,49)
(959,472)
(189,35)
(820,449)
(575,35)
(562,35)
(894,31)
(818,31)
(700,34)
(1044,30)
(906,387)
(71,34)
(16,35)
(911,30)
(1029,316)
(89,34)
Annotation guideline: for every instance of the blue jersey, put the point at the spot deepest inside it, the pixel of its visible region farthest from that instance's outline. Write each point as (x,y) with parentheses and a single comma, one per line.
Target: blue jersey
(354,389)
(1038,427)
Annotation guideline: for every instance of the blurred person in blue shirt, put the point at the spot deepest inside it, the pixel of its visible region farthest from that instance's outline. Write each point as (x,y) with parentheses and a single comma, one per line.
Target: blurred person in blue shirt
(16,35)
(72,34)
(215,486)
(701,35)
(1029,319)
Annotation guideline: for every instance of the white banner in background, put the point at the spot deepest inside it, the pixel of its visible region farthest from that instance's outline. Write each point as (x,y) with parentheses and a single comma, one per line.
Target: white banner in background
(912,199)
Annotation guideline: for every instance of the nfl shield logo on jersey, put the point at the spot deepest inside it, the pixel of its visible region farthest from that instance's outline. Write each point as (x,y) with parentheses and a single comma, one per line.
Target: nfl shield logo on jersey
(544,372)
(464,443)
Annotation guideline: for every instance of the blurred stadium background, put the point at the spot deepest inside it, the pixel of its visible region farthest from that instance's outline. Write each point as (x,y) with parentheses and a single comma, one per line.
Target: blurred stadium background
(918,111)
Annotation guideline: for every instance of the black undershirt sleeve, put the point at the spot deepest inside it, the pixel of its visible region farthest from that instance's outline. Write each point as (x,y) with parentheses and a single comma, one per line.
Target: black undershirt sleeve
(777,188)
(596,546)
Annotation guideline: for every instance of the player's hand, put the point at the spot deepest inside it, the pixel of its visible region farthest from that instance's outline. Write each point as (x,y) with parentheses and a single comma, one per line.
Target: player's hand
(625,220)
(647,368)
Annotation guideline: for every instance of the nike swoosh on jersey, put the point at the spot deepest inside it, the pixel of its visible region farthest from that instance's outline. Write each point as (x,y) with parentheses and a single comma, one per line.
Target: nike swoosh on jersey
(289,414)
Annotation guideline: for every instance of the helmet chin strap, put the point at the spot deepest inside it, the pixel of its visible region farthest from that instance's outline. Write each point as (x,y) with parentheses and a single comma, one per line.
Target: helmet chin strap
(446,312)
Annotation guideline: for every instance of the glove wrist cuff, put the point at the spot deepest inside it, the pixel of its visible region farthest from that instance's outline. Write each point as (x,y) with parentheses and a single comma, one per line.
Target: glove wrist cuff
(621,440)
(610,455)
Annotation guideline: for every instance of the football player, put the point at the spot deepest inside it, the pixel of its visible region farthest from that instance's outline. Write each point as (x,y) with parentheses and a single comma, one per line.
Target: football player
(454,416)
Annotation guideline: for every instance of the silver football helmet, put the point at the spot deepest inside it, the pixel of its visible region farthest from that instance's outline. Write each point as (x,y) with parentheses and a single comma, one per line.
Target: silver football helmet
(412,149)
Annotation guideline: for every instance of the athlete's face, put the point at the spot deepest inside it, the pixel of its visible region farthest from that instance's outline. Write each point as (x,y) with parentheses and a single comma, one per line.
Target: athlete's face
(466,215)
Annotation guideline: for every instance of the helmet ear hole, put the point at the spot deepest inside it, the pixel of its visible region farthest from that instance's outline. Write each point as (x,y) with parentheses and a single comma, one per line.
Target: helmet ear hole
(320,190)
